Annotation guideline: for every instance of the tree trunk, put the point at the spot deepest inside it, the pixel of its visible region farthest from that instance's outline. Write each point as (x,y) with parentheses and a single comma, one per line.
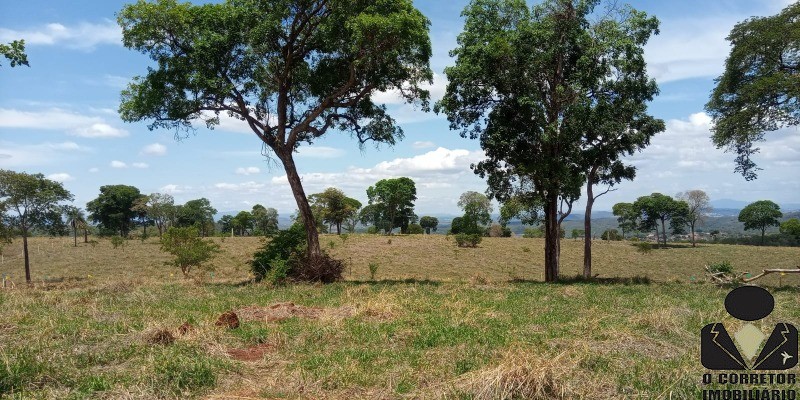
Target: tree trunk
(763,231)
(692,228)
(74,234)
(587,237)
(303,207)
(664,231)
(25,251)
(85,236)
(551,238)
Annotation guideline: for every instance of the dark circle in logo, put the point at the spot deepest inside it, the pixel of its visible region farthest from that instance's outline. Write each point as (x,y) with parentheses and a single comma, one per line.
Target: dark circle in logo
(749,303)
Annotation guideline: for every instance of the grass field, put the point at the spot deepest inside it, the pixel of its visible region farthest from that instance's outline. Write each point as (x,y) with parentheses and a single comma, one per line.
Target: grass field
(438,322)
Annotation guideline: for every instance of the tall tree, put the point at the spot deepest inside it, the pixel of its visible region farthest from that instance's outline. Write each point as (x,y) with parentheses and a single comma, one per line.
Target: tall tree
(141,208)
(627,217)
(34,201)
(161,209)
(477,211)
(429,223)
(291,69)
(75,220)
(113,208)
(525,83)
(658,208)
(699,207)
(760,215)
(394,199)
(335,207)
(759,91)
(243,222)
(265,219)
(351,219)
(197,213)
(14,52)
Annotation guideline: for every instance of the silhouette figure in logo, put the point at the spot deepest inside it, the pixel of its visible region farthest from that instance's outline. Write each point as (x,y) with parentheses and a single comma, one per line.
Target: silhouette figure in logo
(748,303)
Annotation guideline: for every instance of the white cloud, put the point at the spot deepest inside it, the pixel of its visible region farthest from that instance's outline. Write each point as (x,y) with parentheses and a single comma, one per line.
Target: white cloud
(241,187)
(174,189)
(437,90)
(118,164)
(59,119)
(61,177)
(94,170)
(319,152)
(247,170)
(155,149)
(83,36)
(29,155)
(140,165)
(423,145)
(99,130)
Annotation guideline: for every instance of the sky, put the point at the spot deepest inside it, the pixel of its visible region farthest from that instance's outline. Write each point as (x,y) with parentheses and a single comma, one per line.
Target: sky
(59,117)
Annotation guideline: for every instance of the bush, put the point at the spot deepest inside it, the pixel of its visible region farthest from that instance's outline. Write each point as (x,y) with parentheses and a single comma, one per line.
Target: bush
(724,267)
(373,269)
(279,272)
(281,248)
(188,248)
(372,230)
(118,241)
(415,229)
(497,230)
(468,240)
(643,247)
(611,234)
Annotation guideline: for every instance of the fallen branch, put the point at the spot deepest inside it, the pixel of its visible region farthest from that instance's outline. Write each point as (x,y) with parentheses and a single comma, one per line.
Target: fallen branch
(770,271)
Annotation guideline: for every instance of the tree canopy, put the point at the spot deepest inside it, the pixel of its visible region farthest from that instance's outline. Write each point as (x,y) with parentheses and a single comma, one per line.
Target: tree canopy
(759,91)
(394,202)
(429,223)
(113,208)
(477,211)
(530,83)
(760,215)
(14,52)
(659,208)
(292,70)
(31,201)
(335,207)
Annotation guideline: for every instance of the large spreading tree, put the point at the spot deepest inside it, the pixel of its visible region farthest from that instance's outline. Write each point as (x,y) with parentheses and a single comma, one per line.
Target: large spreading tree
(699,207)
(761,215)
(292,70)
(393,203)
(759,91)
(528,82)
(31,201)
(113,208)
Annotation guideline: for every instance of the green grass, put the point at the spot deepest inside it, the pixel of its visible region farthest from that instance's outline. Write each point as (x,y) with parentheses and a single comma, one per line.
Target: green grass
(430,327)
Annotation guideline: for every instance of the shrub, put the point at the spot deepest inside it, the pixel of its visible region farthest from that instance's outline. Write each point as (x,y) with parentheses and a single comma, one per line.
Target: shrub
(611,234)
(372,230)
(188,248)
(724,267)
(279,272)
(497,230)
(118,241)
(373,269)
(643,247)
(415,229)
(344,237)
(281,247)
(468,240)
(331,244)
(533,233)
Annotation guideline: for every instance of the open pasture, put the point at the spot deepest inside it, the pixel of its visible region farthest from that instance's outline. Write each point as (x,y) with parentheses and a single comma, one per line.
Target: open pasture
(438,322)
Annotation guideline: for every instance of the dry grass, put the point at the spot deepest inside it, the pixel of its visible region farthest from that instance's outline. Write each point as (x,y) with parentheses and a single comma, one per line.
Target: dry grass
(434,257)
(440,322)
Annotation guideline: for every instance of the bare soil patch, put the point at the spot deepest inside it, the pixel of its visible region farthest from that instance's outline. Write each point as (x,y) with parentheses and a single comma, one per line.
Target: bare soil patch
(252,353)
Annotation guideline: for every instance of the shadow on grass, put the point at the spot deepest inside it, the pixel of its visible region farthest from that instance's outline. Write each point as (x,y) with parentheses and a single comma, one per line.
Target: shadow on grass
(382,282)
(570,280)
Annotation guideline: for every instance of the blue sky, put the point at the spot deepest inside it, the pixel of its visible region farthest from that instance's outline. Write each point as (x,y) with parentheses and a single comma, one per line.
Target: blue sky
(59,117)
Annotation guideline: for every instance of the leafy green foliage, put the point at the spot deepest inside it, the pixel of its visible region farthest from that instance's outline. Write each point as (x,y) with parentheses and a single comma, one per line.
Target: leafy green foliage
(333,207)
(373,269)
(760,215)
(643,247)
(196,213)
(655,210)
(759,90)
(265,220)
(30,201)
(392,202)
(188,248)
(282,247)
(791,227)
(294,70)
(113,208)
(14,52)
(724,267)
(468,240)
(611,234)
(536,86)
(577,233)
(415,229)
(429,224)
(117,242)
